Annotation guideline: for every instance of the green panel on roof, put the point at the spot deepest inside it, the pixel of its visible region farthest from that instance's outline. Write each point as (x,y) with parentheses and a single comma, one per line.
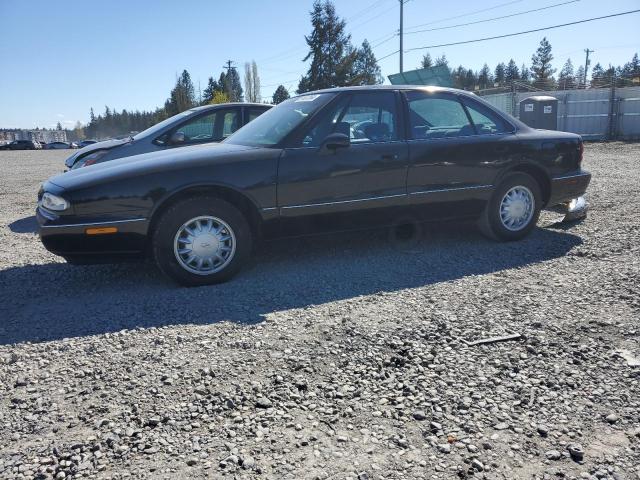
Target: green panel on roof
(436,76)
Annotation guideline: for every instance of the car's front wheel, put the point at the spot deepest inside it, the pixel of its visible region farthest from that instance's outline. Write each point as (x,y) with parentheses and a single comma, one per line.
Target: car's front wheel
(514,208)
(201,240)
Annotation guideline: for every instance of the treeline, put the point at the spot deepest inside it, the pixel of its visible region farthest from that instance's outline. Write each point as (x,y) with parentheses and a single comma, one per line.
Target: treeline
(336,62)
(539,75)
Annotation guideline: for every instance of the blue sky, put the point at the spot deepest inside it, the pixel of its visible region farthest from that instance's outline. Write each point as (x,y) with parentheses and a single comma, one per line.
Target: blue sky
(61,58)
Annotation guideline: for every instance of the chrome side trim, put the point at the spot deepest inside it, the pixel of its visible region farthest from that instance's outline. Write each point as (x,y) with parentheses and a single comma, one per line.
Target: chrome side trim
(475,187)
(269,209)
(571,176)
(94,223)
(343,201)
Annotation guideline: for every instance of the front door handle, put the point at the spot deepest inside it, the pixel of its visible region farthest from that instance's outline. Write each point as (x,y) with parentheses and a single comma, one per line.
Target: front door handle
(390,156)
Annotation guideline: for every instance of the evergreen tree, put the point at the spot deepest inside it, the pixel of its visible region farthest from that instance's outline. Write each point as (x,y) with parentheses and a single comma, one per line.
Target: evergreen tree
(511,73)
(210,90)
(233,88)
(500,74)
(59,126)
(632,68)
(580,77)
(471,80)
(567,79)
(330,50)
(182,97)
(426,61)
(459,77)
(365,67)
(443,62)
(280,95)
(541,65)
(597,76)
(484,78)
(524,73)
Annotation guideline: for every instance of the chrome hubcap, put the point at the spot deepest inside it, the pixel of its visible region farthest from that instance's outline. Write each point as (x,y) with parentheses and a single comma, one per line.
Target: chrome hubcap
(516,208)
(204,245)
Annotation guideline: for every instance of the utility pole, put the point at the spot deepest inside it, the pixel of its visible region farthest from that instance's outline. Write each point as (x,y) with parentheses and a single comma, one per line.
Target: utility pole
(586,65)
(401,21)
(228,86)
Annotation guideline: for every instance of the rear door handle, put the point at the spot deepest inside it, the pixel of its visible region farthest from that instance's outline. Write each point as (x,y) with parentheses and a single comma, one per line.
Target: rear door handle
(390,156)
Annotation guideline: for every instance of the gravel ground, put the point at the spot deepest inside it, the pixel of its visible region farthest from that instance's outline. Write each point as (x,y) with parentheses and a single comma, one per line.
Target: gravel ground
(342,356)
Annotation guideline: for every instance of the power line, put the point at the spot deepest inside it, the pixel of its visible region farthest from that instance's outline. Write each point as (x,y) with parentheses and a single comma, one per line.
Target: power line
(467,14)
(494,18)
(518,33)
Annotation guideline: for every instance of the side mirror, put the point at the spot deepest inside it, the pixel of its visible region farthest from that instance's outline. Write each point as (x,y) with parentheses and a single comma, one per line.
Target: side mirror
(335,141)
(177,138)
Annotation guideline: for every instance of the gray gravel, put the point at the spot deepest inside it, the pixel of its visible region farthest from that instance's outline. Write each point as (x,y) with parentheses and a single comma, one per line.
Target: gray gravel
(342,356)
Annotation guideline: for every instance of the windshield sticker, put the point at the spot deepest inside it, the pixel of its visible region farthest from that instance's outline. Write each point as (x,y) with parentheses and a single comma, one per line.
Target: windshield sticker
(306,98)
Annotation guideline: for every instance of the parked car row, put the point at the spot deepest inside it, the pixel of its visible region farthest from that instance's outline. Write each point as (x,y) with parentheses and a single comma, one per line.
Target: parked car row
(333,159)
(37,145)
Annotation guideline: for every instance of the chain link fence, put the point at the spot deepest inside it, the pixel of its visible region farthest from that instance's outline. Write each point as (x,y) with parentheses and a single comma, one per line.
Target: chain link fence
(609,112)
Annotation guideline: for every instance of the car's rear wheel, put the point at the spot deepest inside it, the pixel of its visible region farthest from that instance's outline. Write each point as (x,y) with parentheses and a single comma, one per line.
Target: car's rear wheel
(201,240)
(514,208)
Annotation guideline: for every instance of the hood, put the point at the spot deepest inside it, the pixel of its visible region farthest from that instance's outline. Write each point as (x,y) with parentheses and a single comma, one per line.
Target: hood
(105,145)
(154,162)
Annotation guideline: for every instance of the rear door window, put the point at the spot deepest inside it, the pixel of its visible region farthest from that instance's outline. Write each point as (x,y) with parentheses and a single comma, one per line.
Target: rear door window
(433,116)
(485,121)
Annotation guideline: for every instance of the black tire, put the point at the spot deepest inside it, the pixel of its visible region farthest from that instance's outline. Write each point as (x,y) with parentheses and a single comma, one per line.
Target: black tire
(167,227)
(490,223)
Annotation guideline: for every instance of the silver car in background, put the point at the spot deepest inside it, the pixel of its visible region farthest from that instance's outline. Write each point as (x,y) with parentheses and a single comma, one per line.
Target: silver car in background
(207,124)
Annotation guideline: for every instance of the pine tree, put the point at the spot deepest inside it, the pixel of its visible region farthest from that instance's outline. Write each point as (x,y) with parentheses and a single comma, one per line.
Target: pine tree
(579,76)
(567,79)
(511,73)
(182,97)
(484,79)
(233,88)
(58,126)
(500,73)
(597,76)
(330,50)
(541,65)
(426,61)
(443,62)
(524,73)
(210,90)
(365,67)
(471,80)
(280,95)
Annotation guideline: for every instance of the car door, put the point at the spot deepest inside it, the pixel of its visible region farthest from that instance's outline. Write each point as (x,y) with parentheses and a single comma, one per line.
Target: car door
(369,173)
(452,165)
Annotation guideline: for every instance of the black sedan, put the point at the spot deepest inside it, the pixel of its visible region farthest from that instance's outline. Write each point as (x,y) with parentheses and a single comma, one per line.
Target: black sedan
(332,159)
(21,145)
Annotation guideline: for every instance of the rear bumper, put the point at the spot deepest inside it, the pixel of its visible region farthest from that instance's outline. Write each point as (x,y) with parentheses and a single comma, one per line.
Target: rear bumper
(568,187)
(72,240)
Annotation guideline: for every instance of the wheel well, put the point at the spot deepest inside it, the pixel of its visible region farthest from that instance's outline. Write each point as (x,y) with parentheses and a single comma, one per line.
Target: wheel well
(238,200)
(540,176)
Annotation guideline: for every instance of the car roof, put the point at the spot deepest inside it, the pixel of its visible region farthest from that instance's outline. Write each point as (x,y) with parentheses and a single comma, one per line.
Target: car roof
(230,104)
(360,88)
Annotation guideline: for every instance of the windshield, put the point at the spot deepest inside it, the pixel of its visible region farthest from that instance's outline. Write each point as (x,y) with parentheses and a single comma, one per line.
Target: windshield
(159,126)
(271,127)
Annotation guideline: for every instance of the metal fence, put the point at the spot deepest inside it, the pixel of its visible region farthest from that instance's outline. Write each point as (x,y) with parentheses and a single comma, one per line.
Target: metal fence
(596,114)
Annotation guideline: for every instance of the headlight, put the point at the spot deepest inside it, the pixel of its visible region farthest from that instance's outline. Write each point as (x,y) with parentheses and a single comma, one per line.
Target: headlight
(90,159)
(53,202)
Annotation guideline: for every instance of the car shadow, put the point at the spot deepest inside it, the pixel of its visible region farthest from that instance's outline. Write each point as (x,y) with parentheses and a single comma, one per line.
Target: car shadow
(24,225)
(57,300)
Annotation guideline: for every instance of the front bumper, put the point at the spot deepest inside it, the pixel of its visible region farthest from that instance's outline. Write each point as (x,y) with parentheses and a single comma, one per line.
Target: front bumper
(70,237)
